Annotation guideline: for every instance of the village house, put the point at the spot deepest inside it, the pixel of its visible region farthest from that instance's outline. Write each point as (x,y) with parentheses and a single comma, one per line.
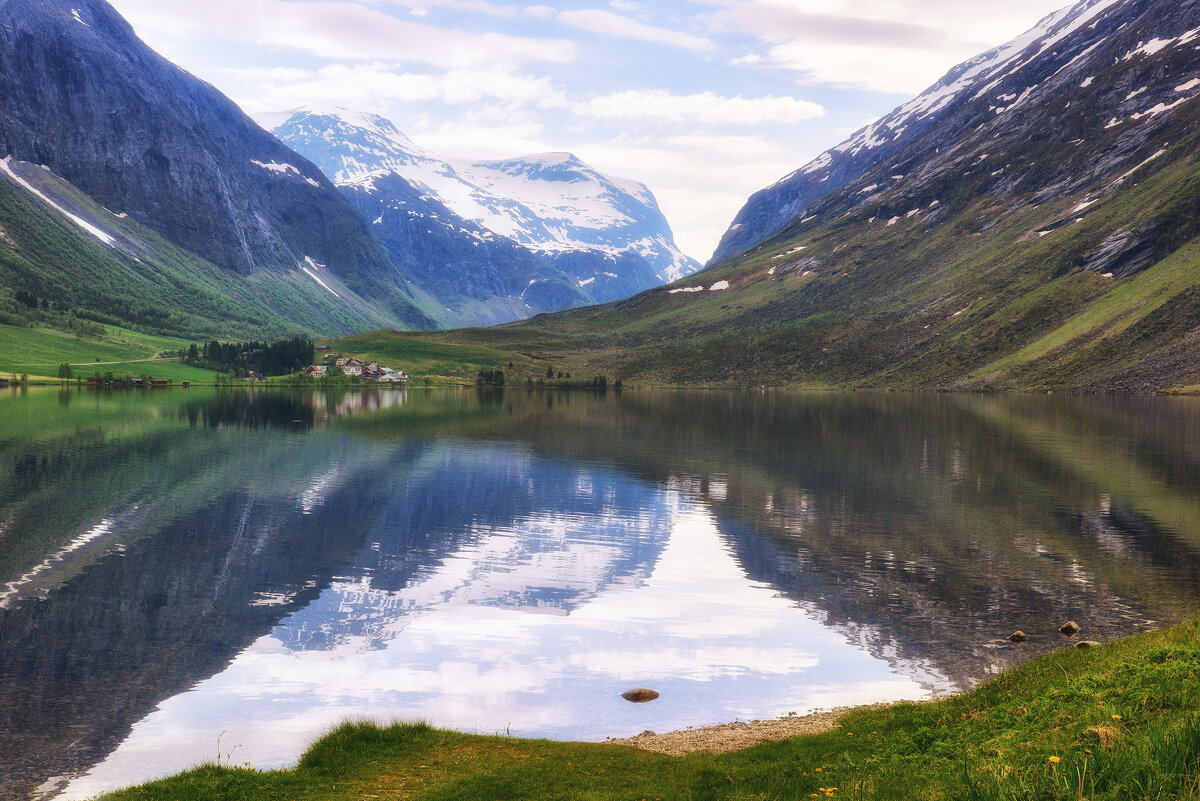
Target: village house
(354,368)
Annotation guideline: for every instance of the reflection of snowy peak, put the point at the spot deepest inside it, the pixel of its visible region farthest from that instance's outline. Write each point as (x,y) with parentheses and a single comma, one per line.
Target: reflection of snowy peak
(770,209)
(605,236)
(556,537)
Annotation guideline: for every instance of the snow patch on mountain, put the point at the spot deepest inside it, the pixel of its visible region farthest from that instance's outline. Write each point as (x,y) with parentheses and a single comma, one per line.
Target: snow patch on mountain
(284,169)
(6,165)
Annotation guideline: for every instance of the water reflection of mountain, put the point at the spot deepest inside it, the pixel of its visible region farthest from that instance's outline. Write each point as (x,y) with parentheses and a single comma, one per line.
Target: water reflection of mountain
(219,531)
(928,528)
(521,531)
(148,541)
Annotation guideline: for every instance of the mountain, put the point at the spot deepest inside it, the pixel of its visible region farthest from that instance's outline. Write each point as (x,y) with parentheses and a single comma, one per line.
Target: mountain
(493,240)
(77,263)
(1038,231)
(770,209)
(87,99)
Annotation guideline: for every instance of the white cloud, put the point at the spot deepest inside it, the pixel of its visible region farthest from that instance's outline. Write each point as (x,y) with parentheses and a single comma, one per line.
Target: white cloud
(748,60)
(338,30)
(877,45)
(610,24)
(539,12)
(705,107)
(377,85)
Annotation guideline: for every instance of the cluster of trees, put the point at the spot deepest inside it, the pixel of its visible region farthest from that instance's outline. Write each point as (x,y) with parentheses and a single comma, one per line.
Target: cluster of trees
(242,358)
(31,309)
(490,378)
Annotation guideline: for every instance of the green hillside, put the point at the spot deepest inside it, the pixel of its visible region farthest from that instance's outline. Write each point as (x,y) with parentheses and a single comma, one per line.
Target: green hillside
(989,293)
(53,272)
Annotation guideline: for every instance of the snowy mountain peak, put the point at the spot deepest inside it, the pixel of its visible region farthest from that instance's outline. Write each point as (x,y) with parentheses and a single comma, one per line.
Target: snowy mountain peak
(547,202)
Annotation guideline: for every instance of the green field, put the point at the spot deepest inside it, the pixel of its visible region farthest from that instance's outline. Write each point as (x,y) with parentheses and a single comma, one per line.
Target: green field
(37,352)
(1118,721)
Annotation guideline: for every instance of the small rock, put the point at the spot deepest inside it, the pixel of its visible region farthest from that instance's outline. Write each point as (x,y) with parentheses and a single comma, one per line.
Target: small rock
(1087,644)
(647,733)
(639,696)
(1017,636)
(1070,628)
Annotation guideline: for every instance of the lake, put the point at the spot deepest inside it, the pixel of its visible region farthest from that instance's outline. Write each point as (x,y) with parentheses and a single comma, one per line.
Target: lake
(224,575)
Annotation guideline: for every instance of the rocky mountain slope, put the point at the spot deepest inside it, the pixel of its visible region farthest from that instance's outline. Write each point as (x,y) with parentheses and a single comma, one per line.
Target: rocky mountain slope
(87,99)
(1041,232)
(499,240)
(770,209)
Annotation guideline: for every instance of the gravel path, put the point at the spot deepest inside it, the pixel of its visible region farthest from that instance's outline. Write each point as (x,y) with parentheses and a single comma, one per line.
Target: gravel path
(737,735)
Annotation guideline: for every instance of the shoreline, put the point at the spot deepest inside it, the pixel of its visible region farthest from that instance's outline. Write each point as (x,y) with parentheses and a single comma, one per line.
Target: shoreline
(723,738)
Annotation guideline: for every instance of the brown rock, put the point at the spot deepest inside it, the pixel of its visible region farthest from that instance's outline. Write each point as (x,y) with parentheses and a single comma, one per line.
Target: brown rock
(639,696)
(1087,644)
(1017,636)
(1070,628)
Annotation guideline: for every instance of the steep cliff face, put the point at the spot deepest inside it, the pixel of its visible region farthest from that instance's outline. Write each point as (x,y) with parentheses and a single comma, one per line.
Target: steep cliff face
(86,98)
(493,240)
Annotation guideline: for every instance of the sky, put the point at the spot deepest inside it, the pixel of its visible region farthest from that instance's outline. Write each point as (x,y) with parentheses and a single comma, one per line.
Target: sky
(704,101)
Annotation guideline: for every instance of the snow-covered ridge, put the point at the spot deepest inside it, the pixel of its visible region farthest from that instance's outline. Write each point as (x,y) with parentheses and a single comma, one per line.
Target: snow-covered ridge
(989,78)
(979,75)
(546,202)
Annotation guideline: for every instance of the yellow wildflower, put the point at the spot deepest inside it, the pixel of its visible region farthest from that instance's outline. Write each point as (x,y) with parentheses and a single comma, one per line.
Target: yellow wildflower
(1054,760)
(1116,717)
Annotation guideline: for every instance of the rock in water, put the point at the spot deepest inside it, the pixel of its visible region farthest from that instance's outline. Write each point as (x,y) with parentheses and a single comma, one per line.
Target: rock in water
(639,696)
(1070,628)
(1017,636)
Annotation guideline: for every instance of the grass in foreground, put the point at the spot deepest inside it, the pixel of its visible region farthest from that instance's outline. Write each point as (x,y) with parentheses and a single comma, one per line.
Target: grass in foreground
(1121,721)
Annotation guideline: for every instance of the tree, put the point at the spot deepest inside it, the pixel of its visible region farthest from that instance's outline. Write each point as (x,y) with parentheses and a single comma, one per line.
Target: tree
(549,372)
(65,371)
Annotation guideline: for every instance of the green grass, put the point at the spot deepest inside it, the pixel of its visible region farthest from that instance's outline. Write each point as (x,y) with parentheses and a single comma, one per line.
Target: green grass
(1121,721)
(38,352)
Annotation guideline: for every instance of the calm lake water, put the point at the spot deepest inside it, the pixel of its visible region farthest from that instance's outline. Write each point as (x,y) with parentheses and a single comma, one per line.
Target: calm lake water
(193,575)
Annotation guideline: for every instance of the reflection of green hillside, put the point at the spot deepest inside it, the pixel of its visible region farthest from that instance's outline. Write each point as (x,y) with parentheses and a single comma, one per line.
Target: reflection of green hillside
(944,521)
(66,464)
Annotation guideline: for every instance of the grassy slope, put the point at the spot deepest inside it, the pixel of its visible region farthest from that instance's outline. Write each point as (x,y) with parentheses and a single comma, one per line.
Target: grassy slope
(149,284)
(1123,720)
(38,352)
(964,295)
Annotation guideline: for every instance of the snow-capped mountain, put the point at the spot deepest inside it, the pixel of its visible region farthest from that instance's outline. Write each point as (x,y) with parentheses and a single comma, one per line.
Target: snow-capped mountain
(770,209)
(583,236)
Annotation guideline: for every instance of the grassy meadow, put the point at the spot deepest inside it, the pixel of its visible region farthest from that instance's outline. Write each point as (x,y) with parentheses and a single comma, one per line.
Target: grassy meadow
(1117,721)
